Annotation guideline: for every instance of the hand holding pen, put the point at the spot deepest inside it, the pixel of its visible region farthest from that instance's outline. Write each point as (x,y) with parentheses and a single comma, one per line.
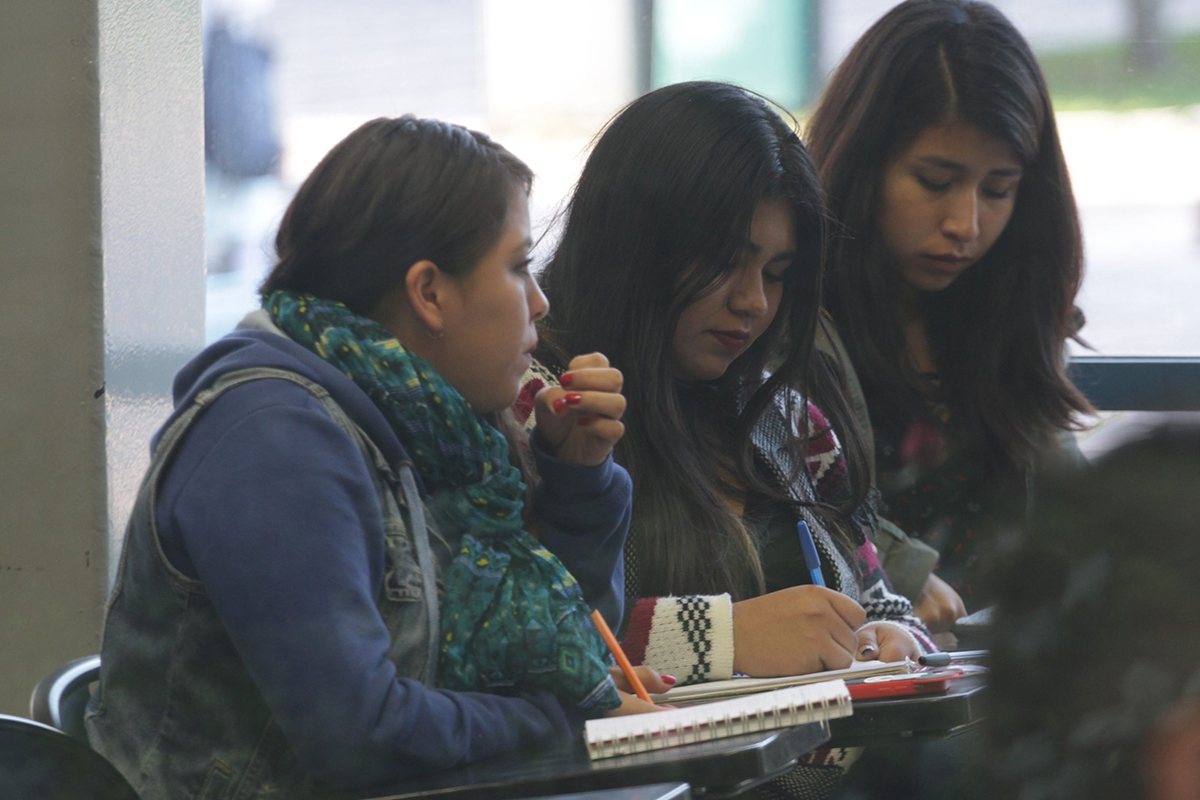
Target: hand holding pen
(882,642)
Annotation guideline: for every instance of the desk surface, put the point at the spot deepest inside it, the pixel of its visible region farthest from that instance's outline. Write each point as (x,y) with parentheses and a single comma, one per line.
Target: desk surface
(723,768)
(659,791)
(959,708)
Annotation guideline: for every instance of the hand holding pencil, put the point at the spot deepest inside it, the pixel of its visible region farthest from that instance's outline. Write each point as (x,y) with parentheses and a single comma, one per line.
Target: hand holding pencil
(632,682)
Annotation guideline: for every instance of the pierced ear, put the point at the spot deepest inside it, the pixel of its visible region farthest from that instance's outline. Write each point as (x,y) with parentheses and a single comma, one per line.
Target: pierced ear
(424,286)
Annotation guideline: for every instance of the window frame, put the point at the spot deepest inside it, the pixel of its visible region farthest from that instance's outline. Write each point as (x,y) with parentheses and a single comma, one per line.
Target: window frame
(1138,383)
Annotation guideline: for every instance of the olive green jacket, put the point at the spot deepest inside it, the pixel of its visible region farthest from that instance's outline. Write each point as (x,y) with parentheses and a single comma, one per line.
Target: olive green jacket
(906,560)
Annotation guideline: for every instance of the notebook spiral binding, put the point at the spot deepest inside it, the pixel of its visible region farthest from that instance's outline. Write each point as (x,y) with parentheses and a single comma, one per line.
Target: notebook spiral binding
(782,708)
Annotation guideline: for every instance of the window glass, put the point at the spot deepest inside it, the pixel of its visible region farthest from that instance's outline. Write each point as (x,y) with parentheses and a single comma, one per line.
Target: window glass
(286,80)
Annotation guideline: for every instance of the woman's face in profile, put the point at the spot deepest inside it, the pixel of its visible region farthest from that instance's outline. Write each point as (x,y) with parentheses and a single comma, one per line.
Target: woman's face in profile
(722,324)
(944,201)
(490,312)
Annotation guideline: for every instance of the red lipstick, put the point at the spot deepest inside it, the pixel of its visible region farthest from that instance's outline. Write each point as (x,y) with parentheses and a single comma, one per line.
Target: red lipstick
(732,341)
(948,262)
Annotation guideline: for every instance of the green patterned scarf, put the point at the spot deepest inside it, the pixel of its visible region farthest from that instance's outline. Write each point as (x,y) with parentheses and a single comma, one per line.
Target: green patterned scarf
(512,616)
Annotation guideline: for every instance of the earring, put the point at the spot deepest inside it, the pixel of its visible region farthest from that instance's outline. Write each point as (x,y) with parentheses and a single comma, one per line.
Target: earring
(433,335)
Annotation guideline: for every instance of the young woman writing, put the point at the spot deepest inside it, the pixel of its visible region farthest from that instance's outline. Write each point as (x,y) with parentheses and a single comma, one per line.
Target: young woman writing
(327,579)
(692,256)
(953,274)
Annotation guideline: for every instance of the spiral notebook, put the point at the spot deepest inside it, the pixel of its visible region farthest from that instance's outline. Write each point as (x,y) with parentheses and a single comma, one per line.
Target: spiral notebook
(781,708)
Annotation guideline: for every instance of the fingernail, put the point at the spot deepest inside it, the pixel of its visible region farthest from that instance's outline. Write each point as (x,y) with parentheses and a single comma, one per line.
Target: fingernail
(559,405)
(867,651)
(574,398)
(669,680)
(566,379)
(585,420)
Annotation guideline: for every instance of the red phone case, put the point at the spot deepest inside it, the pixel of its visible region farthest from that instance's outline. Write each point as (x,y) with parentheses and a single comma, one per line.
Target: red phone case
(901,685)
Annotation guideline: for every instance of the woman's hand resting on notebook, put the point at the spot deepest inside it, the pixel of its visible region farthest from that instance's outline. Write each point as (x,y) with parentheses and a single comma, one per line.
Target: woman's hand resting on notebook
(580,419)
(795,631)
(630,702)
(886,641)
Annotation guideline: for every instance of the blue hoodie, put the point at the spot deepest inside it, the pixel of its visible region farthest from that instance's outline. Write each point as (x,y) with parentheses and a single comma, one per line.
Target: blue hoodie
(270,505)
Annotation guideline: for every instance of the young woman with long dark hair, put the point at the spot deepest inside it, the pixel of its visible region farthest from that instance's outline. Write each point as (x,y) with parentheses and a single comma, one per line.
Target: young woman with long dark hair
(327,580)
(953,268)
(691,255)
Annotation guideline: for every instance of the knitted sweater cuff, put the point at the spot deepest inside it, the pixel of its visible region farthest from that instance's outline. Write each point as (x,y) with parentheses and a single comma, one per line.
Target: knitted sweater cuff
(690,637)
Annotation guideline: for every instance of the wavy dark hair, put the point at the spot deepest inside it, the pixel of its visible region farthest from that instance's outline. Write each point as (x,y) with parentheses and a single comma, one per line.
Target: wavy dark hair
(661,212)
(394,192)
(998,332)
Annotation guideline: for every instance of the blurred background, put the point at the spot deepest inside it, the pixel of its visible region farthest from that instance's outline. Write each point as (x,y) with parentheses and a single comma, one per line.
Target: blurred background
(286,79)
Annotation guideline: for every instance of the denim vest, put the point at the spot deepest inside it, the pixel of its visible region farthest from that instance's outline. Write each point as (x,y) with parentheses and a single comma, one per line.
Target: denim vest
(176,710)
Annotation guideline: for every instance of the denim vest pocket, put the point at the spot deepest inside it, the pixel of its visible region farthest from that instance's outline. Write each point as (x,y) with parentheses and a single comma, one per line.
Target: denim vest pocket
(402,574)
(216,782)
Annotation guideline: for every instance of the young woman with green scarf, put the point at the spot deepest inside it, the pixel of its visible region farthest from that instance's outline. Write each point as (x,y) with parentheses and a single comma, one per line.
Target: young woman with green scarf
(330,577)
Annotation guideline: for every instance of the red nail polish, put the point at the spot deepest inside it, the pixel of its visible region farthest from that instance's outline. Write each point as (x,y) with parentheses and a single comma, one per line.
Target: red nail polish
(574,398)
(559,405)
(566,379)
(584,420)
(669,680)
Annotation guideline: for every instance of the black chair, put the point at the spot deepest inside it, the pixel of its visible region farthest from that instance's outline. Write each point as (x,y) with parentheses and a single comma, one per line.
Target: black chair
(38,762)
(60,698)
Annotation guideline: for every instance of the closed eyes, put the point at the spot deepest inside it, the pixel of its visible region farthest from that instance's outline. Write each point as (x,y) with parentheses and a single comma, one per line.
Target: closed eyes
(993,194)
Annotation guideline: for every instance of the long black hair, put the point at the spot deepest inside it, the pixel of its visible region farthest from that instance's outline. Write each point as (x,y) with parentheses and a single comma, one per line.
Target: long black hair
(998,331)
(660,213)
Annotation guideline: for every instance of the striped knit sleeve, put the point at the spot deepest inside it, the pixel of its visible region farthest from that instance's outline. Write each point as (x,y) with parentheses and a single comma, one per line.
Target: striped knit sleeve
(690,637)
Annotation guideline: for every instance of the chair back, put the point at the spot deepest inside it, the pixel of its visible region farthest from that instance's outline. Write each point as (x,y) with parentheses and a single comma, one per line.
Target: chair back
(60,699)
(38,761)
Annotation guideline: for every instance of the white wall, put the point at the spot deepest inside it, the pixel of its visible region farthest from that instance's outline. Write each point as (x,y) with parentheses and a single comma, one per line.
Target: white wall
(152,194)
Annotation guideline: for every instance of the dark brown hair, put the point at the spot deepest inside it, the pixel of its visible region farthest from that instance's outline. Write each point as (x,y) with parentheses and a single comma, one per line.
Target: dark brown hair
(392,193)
(998,331)
(658,218)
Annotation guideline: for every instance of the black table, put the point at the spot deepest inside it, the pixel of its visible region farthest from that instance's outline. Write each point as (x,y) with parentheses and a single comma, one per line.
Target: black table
(717,769)
(960,708)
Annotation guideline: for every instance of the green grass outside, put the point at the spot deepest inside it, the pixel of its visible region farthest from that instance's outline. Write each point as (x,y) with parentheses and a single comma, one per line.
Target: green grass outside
(1100,77)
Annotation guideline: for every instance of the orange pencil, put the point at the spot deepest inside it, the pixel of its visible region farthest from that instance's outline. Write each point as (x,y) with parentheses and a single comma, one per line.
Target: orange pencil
(619,655)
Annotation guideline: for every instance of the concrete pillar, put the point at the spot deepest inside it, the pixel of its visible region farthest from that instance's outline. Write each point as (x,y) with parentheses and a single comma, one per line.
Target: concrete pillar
(101,220)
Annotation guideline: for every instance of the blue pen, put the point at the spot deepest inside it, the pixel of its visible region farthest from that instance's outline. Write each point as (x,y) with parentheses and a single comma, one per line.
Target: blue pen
(809,548)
